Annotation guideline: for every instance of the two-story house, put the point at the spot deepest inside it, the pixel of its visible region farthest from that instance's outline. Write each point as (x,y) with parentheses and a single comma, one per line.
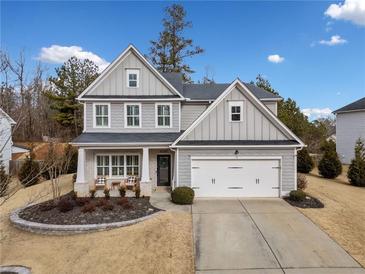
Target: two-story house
(223,140)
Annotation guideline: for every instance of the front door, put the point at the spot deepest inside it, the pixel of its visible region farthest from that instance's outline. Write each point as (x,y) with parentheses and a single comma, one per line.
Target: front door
(163,170)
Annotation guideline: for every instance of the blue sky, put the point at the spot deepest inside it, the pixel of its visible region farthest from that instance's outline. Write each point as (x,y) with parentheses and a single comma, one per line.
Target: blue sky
(317,59)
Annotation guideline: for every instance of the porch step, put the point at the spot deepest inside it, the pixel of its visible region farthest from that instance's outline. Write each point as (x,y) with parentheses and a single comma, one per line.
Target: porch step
(163,189)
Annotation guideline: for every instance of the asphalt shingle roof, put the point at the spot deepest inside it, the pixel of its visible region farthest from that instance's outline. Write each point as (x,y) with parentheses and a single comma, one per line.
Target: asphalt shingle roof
(357,105)
(238,142)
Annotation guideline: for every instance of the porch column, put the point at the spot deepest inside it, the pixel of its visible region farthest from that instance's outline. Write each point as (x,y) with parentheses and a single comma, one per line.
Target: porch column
(81,186)
(146,186)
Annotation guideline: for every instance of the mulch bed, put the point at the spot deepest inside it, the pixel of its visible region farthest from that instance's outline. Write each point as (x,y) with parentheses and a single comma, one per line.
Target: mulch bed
(48,213)
(309,202)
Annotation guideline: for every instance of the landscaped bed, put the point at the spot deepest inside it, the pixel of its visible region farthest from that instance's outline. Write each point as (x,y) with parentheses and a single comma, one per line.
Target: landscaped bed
(81,211)
(308,202)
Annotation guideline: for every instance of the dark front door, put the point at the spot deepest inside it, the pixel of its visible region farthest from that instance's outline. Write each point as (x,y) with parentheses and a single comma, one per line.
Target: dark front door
(163,170)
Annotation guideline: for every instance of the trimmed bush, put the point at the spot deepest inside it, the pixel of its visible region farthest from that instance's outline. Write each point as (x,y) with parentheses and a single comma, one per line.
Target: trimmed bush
(90,207)
(29,172)
(82,201)
(356,172)
(297,195)
(122,191)
(107,207)
(304,161)
(330,166)
(101,202)
(128,206)
(122,201)
(182,195)
(4,180)
(301,182)
(65,205)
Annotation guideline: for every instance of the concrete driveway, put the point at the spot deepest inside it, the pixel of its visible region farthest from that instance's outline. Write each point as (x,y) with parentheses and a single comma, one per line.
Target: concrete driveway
(263,236)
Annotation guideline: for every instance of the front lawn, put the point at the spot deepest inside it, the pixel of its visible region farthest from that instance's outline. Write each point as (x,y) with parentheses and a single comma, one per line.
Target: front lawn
(343,216)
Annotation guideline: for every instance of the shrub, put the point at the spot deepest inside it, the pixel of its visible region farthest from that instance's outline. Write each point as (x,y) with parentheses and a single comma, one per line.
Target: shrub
(73,195)
(122,201)
(92,193)
(4,180)
(304,161)
(90,207)
(122,191)
(29,172)
(330,166)
(128,206)
(101,202)
(107,207)
(356,172)
(107,193)
(297,195)
(65,205)
(328,146)
(47,207)
(182,195)
(138,191)
(301,182)
(82,201)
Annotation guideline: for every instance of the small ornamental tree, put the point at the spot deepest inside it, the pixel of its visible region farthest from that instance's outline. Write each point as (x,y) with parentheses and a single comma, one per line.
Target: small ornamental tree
(29,172)
(356,172)
(4,180)
(304,161)
(329,166)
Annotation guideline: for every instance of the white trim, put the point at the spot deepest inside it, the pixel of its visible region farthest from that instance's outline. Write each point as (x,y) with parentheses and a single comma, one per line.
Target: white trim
(132,71)
(271,99)
(94,114)
(121,144)
(177,167)
(156,114)
(119,59)
(119,147)
(84,105)
(235,83)
(235,104)
(179,113)
(233,146)
(349,111)
(125,115)
(295,170)
(132,99)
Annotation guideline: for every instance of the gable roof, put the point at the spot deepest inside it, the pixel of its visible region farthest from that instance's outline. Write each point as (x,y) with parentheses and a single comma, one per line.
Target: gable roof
(238,83)
(354,106)
(11,121)
(118,60)
(210,92)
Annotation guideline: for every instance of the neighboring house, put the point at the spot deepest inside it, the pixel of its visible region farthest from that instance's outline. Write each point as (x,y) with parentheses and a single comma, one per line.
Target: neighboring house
(223,140)
(350,126)
(6,142)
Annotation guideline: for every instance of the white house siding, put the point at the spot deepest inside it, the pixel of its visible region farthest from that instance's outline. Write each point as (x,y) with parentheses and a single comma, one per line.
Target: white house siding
(288,167)
(272,105)
(349,127)
(254,125)
(190,112)
(117,118)
(115,83)
(5,141)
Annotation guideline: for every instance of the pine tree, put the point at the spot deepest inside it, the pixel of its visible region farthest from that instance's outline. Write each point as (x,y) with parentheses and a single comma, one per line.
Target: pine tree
(304,161)
(356,172)
(329,166)
(171,49)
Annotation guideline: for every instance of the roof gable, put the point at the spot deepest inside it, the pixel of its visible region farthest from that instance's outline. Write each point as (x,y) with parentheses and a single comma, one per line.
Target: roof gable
(4,114)
(354,106)
(112,81)
(260,115)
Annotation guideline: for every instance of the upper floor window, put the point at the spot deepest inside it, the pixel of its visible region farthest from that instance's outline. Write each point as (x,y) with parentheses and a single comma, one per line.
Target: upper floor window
(132,78)
(101,115)
(163,115)
(132,115)
(235,111)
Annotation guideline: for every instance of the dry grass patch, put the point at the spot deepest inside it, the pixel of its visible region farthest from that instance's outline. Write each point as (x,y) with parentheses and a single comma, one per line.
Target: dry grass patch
(343,216)
(160,245)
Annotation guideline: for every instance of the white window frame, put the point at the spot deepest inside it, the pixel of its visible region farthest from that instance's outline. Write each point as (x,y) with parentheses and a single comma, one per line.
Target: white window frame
(132,71)
(156,114)
(132,166)
(235,104)
(94,115)
(125,115)
(118,165)
(111,176)
(104,166)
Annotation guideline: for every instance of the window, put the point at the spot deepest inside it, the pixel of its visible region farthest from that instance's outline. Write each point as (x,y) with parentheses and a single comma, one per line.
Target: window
(117,165)
(102,165)
(101,115)
(235,111)
(132,165)
(132,78)
(132,115)
(163,115)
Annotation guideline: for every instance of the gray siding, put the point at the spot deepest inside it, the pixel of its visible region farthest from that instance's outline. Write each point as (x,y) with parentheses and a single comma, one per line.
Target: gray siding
(272,105)
(288,167)
(255,125)
(115,82)
(5,141)
(349,127)
(117,119)
(189,113)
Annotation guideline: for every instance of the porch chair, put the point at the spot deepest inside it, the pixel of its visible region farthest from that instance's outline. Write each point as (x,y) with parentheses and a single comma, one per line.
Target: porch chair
(131,181)
(100,183)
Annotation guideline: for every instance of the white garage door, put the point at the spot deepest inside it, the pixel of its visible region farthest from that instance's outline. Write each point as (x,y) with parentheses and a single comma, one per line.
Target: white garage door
(235,178)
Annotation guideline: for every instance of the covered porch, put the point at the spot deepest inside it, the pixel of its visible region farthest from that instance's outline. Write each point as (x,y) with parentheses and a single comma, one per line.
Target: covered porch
(153,167)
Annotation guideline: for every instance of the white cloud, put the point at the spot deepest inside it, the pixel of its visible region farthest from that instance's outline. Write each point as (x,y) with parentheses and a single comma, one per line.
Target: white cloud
(275,58)
(315,113)
(350,10)
(59,54)
(335,40)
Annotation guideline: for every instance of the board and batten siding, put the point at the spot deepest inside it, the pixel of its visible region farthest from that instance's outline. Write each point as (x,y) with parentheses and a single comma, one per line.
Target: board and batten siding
(189,113)
(116,82)
(254,125)
(272,106)
(117,118)
(288,168)
(349,127)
